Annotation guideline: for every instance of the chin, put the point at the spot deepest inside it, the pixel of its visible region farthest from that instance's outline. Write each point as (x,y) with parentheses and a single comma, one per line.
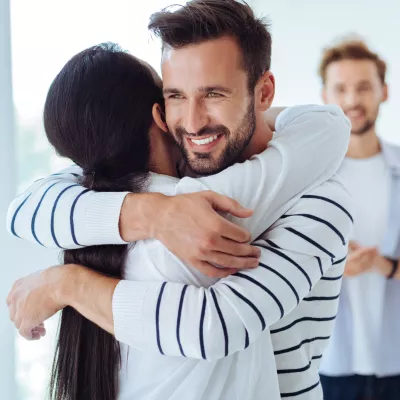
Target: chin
(202,168)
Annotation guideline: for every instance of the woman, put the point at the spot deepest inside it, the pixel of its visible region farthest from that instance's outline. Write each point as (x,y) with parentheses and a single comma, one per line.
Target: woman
(104,112)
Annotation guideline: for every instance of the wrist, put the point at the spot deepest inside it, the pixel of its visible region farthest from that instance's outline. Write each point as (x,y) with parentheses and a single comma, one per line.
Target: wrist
(383,265)
(394,268)
(63,280)
(152,210)
(388,267)
(87,291)
(138,218)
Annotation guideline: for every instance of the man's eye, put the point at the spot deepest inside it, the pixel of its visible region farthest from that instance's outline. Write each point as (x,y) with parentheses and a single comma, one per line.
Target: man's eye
(175,97)
(364,89)
(213,95)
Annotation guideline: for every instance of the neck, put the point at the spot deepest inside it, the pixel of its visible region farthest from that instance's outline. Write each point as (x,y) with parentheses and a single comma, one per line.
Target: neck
(164,155)
(365,145)
(259,142)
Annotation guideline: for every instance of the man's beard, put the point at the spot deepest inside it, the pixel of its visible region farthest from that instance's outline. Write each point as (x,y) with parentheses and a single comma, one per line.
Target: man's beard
(369,124)
(203,163)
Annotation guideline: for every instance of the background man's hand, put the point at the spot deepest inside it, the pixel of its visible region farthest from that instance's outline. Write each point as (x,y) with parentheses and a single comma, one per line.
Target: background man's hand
(360,259)
(190,227)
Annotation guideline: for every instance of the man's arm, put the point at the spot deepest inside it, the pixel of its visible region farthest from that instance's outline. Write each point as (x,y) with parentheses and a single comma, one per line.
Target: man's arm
(58,212)
(369,259)
(177,319)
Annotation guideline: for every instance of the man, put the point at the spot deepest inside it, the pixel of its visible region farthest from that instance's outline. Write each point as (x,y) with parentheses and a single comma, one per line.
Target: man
(217,86)
(363,357)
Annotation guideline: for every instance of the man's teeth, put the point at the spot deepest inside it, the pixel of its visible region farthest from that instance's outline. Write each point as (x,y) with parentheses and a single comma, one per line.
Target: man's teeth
(205,141)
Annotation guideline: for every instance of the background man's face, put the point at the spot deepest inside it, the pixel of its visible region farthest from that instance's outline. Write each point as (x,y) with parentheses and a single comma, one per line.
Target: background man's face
(355,86)
(209,109)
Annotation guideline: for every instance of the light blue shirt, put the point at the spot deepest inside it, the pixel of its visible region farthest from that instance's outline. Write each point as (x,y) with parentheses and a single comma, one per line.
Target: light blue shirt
(338,359)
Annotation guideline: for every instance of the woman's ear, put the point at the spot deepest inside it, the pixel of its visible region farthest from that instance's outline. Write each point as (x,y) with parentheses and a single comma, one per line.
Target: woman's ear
(159,117)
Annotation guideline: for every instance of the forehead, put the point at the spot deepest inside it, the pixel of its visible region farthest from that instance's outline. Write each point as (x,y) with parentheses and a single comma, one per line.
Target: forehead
(352,72)
(213,62)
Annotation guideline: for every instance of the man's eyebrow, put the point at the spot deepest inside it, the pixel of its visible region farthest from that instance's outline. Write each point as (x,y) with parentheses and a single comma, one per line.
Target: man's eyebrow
(364,82)
(215,88)
(203,89)
(171,91)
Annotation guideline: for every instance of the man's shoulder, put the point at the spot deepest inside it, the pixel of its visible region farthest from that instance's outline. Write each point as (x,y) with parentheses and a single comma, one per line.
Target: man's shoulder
(331,194)
(391,153)
(333,186)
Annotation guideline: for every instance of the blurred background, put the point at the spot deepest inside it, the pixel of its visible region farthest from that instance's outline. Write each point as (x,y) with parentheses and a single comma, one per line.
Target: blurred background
(37,37)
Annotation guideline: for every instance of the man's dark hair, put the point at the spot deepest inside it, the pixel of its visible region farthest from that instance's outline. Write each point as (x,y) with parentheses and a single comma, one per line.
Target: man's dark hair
(202,20)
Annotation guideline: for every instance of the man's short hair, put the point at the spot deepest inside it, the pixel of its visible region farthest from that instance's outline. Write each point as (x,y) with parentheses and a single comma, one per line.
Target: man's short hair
(202,20)
(350,49)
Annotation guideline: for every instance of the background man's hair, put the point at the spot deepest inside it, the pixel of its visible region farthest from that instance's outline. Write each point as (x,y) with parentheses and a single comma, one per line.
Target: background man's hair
(202,20)
(350,48)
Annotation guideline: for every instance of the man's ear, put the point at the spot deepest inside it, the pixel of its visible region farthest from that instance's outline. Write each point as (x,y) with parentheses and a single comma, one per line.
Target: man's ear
(323,95)
(265,91)
(385,93)
(159,117)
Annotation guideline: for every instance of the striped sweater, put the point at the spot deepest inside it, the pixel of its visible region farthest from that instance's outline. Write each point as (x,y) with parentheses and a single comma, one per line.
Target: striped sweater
(220,329)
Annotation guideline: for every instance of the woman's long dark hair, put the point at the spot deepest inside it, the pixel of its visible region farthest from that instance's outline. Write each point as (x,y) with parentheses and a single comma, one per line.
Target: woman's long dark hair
(98,113)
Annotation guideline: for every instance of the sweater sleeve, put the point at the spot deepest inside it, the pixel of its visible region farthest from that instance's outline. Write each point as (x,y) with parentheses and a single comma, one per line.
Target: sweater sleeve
(58,212)
(176,319)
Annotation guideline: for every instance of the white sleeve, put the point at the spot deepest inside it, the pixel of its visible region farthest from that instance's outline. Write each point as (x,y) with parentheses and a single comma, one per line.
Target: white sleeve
(307,149)
(175,319)
(58,212)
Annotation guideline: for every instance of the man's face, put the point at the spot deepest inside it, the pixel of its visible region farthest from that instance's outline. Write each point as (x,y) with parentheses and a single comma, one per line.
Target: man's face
(355,86)
(209,109)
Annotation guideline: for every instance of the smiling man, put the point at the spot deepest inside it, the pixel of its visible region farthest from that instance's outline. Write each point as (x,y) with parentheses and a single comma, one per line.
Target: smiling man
(213,125)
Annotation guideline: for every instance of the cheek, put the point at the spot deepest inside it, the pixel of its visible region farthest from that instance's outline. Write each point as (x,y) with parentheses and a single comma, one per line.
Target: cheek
(173,115)
(372,102)
(334,98)
(226,113)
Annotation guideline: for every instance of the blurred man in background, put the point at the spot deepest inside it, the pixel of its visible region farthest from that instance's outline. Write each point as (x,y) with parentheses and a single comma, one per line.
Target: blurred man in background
(363,357)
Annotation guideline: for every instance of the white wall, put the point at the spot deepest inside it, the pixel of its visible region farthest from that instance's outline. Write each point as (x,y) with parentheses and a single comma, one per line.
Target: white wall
(17,258)
(302,28)
(7,177)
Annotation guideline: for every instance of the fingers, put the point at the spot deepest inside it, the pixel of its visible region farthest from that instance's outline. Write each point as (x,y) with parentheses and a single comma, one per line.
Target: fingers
(212,271)
(26,332)
(233,248)
(224,228)
(228,261)
(353,246)
(226,204)
(12,311)
(362,252)
(40,329)
(29,333)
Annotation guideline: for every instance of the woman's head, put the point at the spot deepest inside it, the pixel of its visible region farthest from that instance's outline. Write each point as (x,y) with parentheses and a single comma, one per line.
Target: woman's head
(98,111)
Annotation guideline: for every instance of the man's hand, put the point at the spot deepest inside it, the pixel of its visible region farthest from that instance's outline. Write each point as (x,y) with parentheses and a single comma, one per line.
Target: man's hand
(385,267)
(32,300)
(191,228)
(39,296)
(360,259)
